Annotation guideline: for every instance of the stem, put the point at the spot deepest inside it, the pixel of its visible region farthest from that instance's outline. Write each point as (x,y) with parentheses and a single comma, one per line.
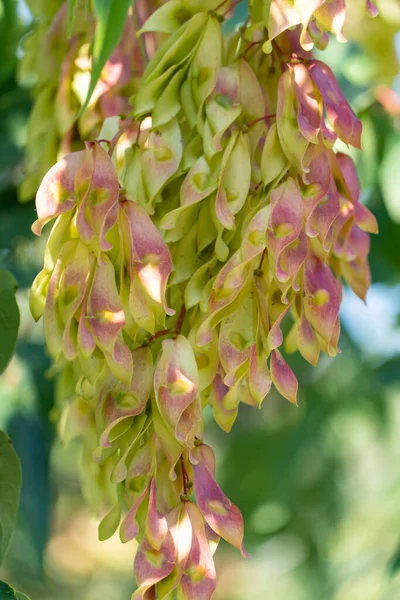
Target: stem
(220,5)
(262,119)
(123,129)
(184,476)
(264,252)
(232,7)
(158,334)
(250,47)
(175,332)
(295,56)
(234,4)
(278,52)
(67,142)
(137,26)
(138,133)
(180,320)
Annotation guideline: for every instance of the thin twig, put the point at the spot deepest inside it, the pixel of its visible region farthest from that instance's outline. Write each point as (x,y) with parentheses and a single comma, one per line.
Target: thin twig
(184,475)
(180,320)
(123,129)
(220,5)
(138,26)
(232,7)
(261,119)
(264,252)
(251,46)
(158,334)
(138,133)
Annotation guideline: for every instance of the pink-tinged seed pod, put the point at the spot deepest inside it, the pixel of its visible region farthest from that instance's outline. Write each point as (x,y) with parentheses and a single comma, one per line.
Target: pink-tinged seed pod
(364,218)
(97,192)
(149,266)
(56,194)
(234,180)
(176,390)
(260,380)
(221,515)
(118,402)
(152,566)
(156,523)
(308,101)
(283,377)
(282,16)
(199,578)
(224,417)
(137,485)
(329,16)
(371,8)
(233,279)
(105,319)
(292,140)
(236,334)
(307,341)
(285,237)
(322,295)
(344,122)
(332,15)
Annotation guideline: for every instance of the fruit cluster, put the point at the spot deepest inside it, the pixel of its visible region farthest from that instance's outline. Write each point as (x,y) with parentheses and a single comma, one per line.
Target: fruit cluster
(58,67)
(179,246)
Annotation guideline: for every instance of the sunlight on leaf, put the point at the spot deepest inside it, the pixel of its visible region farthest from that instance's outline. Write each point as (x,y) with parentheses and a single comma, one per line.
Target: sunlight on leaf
(8,593)
(9,317)
(10,488)
(111,17)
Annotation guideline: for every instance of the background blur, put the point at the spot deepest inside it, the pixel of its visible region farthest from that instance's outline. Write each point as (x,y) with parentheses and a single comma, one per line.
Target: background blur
(318,486)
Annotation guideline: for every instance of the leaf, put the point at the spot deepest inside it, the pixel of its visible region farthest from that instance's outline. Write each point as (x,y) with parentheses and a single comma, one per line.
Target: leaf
(10,489)
(109,524)
(389,178)
(71,16)
(9,317)
(29,434)
(8,593)
(394,563)
(111,16)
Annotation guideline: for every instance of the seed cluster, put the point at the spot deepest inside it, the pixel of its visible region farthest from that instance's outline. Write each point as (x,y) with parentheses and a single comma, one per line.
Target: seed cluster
(180,245)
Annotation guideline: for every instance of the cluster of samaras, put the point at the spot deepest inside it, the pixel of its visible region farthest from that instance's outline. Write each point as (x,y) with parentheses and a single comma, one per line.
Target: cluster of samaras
(217,210)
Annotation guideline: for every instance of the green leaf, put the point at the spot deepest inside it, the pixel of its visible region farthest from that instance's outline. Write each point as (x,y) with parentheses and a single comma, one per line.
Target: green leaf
(71,16)
(109,525)
(111,16)
(9,317)
(389,178)
(10,489)
(8,593)
(394,564)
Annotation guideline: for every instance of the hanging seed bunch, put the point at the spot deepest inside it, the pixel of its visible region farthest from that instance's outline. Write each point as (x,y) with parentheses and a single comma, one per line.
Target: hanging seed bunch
(56,64)
(167,276)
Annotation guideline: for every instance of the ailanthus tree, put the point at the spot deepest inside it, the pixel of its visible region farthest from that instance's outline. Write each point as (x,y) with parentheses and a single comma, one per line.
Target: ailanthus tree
(197,200)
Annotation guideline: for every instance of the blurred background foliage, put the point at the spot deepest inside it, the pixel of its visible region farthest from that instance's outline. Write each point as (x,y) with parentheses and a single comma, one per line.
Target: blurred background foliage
(319,486)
